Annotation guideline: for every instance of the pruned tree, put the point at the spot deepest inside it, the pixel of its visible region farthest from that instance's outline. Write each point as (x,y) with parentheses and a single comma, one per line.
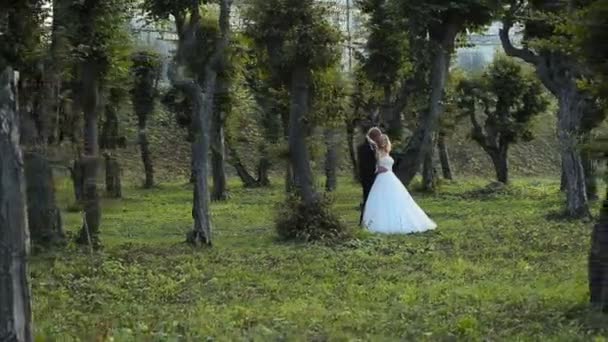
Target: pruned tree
(505,98)
(145,69)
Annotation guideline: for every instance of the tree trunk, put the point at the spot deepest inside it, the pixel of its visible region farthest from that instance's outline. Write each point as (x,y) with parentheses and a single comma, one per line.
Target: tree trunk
(202,116)
(290,183)
(562,182)
(77,174)
(241,170)
(385,111)
(501,165)
(298,150)
(350,140)
(589,168)
(218,121)
(15,303)
(44,216)
(110,141)
(271,123)
(444,157)
(202,111)
(569,138)
(203,105)
(598,261)
(331,160)
(146,157)
(218,166)
(421,140)
(109,131)
(429,183)
(54,63)
(263,169)
(113,183)
(201,233)
(192,179)
(218,155)
(559,72)
(89,234)
(72,126)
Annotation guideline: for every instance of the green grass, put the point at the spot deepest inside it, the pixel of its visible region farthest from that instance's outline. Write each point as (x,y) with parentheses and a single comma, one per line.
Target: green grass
(496,269)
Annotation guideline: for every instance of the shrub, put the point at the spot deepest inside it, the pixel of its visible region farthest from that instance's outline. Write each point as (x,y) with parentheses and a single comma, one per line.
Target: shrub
(298,221)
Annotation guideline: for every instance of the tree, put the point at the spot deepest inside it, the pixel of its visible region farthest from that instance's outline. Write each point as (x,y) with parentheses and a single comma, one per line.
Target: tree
(440,21)
(598,251)
(145,69)
(329,106)
(223,104)
(298,40)
(22,47)
(364,104)
(589,28)
(449,121)
(15,306)
(110,140)
(272,102)
(508,98)
(299,43)
(116,84)
(96,24)
(387,62)
(197,37)
(558,70)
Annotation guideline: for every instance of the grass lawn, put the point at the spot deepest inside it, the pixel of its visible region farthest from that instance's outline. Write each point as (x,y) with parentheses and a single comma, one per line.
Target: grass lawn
(497,268)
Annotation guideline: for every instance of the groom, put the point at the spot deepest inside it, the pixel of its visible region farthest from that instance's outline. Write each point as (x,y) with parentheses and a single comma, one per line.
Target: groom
(366,155)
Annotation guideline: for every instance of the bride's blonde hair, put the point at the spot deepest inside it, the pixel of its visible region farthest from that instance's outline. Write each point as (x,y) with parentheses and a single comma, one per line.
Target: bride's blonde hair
(384,144)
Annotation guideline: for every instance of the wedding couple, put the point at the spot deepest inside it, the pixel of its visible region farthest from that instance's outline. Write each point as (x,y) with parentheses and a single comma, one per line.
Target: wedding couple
(387,205)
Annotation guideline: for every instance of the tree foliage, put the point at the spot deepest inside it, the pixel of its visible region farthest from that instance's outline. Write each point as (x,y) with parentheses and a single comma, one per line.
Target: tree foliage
(20,32)
(145,69)
(294,33)
(329,97)
(590,29)
(386,58)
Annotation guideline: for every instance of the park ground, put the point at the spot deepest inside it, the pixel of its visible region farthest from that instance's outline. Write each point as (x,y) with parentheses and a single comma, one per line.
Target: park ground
(501,266)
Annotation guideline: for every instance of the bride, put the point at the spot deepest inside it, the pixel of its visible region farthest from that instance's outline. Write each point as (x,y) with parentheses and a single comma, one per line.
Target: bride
(390,208)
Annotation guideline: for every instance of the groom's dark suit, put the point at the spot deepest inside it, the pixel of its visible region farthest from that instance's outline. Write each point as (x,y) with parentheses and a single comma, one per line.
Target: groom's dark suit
(367,170)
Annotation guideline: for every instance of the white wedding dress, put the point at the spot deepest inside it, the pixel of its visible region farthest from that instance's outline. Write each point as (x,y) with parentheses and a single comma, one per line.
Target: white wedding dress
(390,209)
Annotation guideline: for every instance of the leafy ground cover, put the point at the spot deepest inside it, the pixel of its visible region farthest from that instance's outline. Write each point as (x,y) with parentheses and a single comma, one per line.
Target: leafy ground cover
(499,267)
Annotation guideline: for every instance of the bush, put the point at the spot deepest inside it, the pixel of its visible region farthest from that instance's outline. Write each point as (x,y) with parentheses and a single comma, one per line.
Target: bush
(297,221)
